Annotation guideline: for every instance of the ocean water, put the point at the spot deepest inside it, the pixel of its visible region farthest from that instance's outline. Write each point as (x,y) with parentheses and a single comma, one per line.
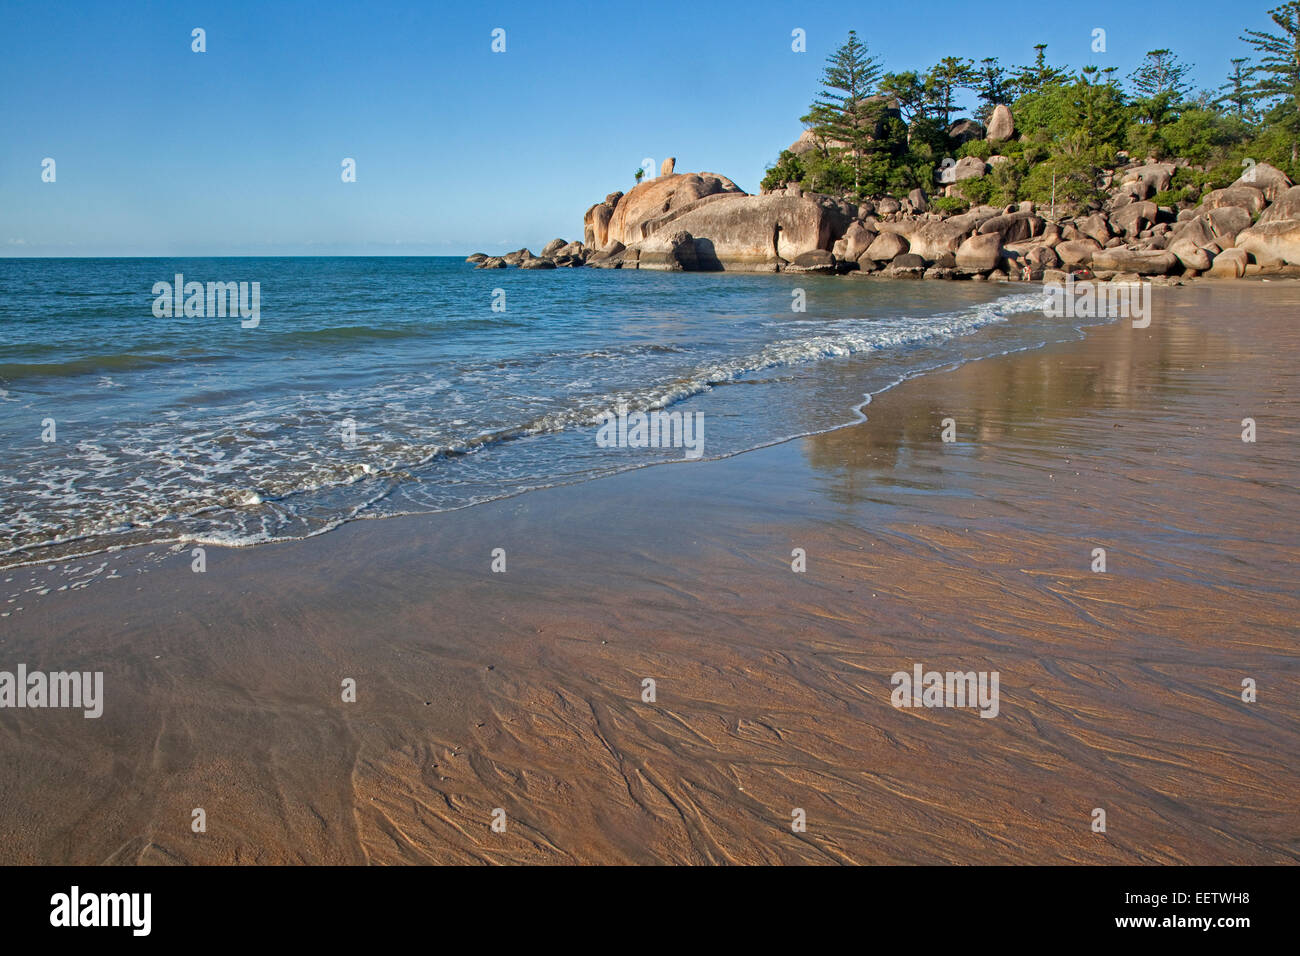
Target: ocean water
(381,386)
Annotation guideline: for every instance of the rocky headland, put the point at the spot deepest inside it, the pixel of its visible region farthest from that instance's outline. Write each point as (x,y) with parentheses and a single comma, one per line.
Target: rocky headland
(704,222)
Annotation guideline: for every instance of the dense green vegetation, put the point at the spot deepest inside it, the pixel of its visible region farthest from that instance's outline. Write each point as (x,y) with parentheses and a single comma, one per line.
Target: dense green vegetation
(878,133)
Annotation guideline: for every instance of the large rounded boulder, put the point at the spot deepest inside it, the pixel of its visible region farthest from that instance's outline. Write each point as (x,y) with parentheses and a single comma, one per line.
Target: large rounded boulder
(654,199)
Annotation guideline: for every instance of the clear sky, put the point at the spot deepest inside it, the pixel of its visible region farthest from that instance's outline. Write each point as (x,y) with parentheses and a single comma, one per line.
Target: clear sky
(238,150)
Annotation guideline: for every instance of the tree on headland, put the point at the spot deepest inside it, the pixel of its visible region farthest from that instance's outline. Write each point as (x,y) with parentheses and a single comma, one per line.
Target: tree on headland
(991,86)
(843,111)
(1160,72)
(907,90)
(1236,94)
(1101,109)
(1279,61)
(942,82)
(1036,76)
(1159,87)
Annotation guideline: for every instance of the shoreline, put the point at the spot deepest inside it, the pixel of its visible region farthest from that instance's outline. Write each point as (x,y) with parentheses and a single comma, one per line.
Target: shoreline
(854,411)
(521,690)
(174,544)
(852,414)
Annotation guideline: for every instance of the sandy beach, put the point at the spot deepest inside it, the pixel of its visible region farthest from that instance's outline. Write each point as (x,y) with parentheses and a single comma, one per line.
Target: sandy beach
(523,690)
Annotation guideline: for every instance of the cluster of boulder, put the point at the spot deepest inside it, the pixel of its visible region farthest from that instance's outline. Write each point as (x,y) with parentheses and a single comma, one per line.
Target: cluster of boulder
(703,221)
(1251,227)
(556,254)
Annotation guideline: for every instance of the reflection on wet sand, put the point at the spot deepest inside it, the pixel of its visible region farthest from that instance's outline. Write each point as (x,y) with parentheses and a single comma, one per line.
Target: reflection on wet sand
(1027,402)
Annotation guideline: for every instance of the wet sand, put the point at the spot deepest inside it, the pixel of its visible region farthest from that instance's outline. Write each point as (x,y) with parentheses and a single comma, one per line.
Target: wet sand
(523,690)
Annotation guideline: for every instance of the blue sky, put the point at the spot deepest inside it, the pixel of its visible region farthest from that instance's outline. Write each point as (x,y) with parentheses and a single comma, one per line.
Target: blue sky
(238,151)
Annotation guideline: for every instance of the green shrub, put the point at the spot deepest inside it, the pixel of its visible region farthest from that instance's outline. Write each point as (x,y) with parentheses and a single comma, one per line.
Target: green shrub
(1222,175)
(1270,146)
(1034,153)
(975,191)
(1006,179)
(951,204)
(1073,179)
(980,148)
(1012,148)
(1145,142)
(788,169)
(1194,183)
(826,174)
(1200,135)
(1172,197)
